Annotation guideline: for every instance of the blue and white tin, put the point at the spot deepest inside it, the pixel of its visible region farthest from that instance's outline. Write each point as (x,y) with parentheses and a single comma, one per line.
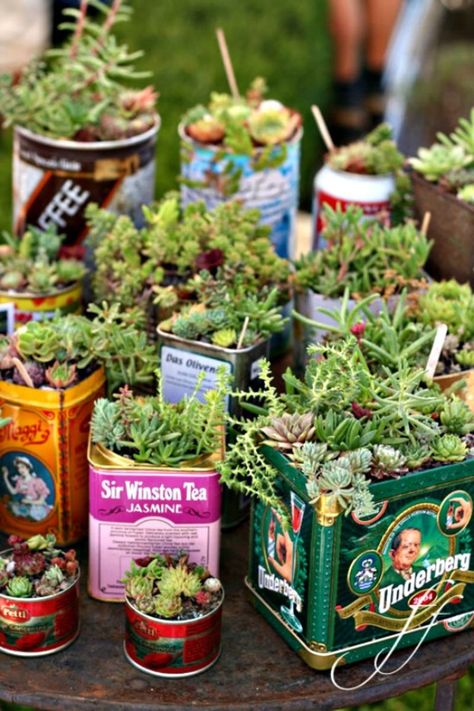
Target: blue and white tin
(208,173)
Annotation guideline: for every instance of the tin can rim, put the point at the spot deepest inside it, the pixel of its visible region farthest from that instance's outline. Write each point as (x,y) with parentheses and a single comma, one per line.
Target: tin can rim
(43,597)
(177,622)
(218,148)
(469,373)
(32,295)
(92,145)
(358,176)
(211,346)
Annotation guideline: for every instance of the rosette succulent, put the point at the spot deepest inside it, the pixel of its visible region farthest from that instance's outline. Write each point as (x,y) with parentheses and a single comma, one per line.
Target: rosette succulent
(36,568)
(171,587)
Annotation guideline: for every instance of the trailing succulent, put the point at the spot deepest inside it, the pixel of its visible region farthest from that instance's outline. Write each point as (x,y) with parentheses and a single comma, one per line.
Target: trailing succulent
(172,587)
(152,431)
(377,154)
(450,161)
(36,568)
(33,263)
(79,92)
(157,263)
(60,352)
(363,256)
(240,125)
(348,422)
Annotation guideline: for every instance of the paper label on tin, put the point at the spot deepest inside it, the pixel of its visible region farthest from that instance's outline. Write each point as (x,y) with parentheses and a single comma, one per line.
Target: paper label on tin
(180,370)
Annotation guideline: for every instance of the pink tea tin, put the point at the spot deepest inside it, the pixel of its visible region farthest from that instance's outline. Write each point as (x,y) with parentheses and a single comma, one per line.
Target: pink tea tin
(139,509)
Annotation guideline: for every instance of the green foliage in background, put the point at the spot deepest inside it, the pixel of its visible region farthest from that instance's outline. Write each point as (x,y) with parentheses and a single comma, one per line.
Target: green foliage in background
(289,46)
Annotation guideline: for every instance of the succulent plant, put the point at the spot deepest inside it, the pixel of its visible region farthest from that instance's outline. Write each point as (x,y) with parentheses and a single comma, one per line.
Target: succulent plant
(36,568)
(449,448)
(434,162)
(61,375)
(456,417)
(171,587)
(387,462)
(416,455)
(465,358)
(377,154)
(83,81)
(289,431)
(224,338)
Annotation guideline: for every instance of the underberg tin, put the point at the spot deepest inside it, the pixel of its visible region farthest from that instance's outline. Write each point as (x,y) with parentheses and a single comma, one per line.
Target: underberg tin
(336,187)
(43,458)
(339,589)
(172,648)
(209,173)
(54,180)
(138,509)
(21,308)
(36,626)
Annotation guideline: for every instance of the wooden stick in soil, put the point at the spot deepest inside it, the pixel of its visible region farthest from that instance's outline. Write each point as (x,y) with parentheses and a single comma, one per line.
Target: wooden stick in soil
(323,129)
(425,225)
(23,372)
(226,60)
(243,332)
(437,347)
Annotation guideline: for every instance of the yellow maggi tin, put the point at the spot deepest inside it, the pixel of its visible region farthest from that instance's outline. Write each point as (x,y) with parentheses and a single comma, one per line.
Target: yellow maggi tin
(23,307)
(43,458)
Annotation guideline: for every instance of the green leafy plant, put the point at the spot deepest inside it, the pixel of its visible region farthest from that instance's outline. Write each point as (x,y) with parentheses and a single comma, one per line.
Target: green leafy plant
(36,568)
(364,257)
(80,91)
(33,263)
(172,587)
(241,126)
(152,431)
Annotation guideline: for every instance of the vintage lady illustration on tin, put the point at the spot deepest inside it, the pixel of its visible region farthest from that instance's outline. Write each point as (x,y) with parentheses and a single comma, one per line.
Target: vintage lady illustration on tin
(27,489)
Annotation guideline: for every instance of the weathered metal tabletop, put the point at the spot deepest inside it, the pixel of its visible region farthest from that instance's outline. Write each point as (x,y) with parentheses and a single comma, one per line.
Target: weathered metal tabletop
(256,670)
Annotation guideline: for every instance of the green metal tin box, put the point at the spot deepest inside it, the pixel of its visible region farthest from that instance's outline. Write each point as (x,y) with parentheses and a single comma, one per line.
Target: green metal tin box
(340,589)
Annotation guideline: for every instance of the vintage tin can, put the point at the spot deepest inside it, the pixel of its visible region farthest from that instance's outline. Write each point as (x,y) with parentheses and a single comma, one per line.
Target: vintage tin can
(466,393)
(43,458)
(172,648)
(36,626)
(208,173)
(54,180)
(337,588)
(21,308)
(336,187)
(139,509)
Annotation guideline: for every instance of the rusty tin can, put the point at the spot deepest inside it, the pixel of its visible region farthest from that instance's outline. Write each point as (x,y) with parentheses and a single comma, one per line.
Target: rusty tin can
(21,308)
(43,458)
(172,648)
(54,180)
(139,509)
(337,588)
(466,393)
(37,626)
(211,174)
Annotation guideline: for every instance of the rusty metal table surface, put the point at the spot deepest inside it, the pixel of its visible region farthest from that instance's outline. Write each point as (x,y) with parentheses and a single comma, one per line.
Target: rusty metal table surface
(256,669)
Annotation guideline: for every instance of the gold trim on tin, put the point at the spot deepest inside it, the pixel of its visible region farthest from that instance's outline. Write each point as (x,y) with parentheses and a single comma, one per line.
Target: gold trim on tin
(327,510)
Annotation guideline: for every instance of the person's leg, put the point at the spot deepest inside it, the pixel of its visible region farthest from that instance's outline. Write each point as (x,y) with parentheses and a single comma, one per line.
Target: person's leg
(381,16)
(346,25)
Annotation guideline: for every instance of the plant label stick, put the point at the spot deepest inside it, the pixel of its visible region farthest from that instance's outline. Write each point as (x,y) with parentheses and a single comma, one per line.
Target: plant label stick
(323,129)
(229,70)
(436,349)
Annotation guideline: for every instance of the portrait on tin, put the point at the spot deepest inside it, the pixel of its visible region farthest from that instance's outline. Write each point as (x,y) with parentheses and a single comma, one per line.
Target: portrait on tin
(28,490)
(404,551)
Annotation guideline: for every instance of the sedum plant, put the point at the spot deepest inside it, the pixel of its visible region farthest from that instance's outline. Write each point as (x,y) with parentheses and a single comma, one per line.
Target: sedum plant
(33,263)
(152,431)
(159,262)
(364,257)
(348,422)
(171,587)
(81,91)
(36,568)
(450,161)
(240,126)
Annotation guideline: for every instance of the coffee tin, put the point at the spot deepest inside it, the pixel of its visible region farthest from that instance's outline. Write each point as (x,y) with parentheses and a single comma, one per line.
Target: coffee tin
(37,626)
(172,648)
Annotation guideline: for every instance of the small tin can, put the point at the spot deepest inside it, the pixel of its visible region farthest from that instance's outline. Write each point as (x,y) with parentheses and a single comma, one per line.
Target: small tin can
(43,458)
(208,173)
(466,393)
(37,626)
(19,308)
(172,648)
(54,180)
(138,509)
(339,188)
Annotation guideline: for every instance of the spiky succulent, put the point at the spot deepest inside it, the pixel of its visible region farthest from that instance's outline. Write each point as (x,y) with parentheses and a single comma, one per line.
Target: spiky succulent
(449,448)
